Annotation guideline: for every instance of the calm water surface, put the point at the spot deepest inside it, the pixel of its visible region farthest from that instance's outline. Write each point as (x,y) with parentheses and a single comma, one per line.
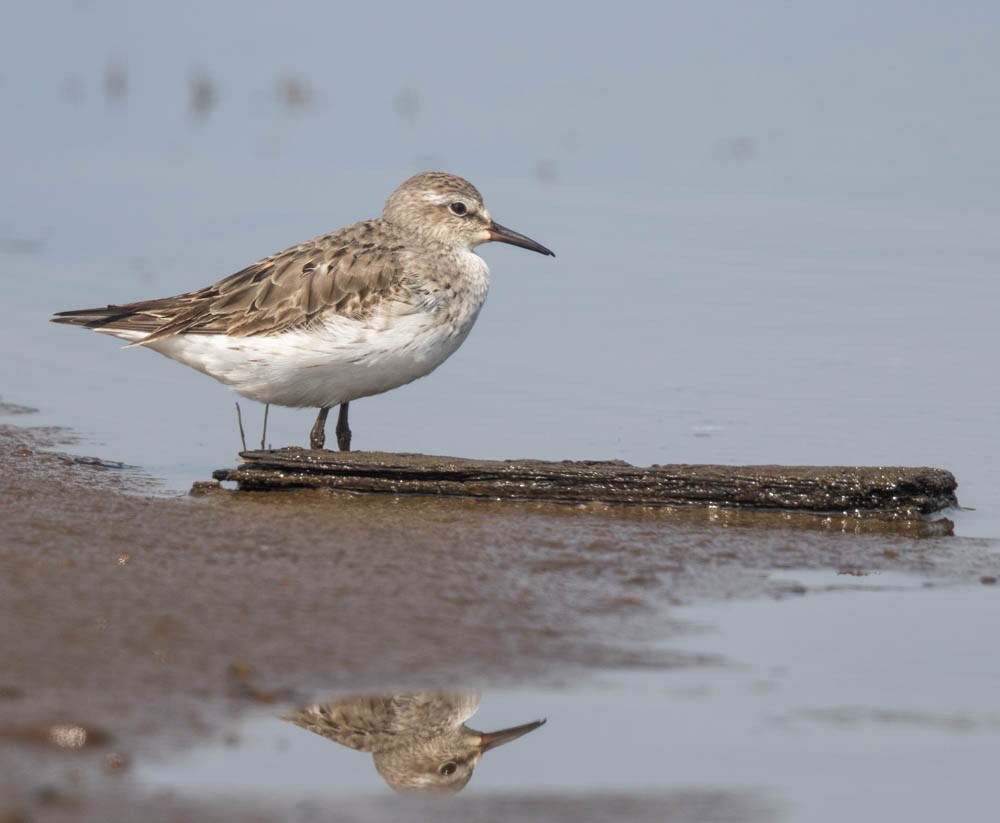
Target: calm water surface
(817,702)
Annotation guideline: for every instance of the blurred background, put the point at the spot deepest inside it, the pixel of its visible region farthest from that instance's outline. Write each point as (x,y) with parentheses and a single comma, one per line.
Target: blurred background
(776,223)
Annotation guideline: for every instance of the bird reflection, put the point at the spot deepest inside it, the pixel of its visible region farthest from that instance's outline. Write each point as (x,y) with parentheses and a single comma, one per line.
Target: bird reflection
(419,739)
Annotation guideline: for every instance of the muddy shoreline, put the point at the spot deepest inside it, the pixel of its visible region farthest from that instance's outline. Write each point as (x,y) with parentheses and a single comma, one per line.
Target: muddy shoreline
(154,622)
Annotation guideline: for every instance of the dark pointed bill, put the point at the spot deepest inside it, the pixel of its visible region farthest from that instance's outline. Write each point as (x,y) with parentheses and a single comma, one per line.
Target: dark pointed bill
(490,740)
(505,235)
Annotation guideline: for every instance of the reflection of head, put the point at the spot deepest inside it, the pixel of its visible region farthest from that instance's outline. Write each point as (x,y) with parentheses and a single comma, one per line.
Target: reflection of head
(418,740)
(442,764)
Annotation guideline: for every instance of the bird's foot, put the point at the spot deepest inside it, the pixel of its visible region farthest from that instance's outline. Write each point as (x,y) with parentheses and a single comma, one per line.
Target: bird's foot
(344,438)
(317,434)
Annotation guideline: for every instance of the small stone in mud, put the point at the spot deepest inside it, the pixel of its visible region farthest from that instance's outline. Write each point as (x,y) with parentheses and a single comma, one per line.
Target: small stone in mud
(63,735)
(239,669)
(988,580)
(116,763)
(203,487)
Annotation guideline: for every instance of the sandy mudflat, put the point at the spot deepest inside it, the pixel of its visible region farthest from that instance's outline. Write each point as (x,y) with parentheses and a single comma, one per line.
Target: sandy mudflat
(153,622)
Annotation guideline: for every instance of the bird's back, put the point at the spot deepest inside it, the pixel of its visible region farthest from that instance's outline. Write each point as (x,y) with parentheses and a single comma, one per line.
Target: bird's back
(349,272)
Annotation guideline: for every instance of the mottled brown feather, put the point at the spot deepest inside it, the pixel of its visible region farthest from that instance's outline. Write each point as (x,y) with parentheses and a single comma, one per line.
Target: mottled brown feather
(348,272)
(378,722)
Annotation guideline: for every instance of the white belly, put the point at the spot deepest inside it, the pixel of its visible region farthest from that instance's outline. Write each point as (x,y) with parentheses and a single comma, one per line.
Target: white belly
(327,365)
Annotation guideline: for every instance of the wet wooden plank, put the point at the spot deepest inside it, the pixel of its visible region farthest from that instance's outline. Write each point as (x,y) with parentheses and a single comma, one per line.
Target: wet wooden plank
(892,491)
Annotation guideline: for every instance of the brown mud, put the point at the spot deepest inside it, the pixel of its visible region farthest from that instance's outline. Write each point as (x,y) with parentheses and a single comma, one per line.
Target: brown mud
(135,624)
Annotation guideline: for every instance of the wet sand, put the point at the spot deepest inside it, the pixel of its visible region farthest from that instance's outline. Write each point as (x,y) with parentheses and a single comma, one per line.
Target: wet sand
(153,622)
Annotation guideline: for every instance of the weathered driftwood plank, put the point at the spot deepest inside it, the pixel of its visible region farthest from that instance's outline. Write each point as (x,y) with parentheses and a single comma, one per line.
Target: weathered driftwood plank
(890,491)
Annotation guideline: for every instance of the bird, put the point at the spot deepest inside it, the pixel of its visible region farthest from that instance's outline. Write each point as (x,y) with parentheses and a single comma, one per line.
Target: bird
(348,314)
(418,740)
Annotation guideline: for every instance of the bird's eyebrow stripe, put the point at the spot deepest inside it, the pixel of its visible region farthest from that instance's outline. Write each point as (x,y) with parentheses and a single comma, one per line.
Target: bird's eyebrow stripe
(441,199)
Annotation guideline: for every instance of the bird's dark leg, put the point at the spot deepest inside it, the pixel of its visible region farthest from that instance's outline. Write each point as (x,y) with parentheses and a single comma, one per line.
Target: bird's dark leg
(343,430)
(239,419)
(263,434)
(317,436)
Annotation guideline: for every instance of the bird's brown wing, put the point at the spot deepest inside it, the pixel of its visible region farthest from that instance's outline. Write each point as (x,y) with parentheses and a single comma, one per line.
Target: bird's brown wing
(362,722)
(373,722)
(348,272)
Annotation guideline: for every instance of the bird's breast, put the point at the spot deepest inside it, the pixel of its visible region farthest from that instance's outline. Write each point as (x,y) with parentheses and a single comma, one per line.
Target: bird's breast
(443,280)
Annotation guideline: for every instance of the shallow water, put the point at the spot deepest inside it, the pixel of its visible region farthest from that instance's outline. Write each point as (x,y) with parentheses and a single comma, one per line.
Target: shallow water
(817,702)
(776,239)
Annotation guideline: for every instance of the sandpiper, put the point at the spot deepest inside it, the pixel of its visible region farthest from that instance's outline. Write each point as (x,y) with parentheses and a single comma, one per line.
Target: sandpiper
(419,740)
(345,315)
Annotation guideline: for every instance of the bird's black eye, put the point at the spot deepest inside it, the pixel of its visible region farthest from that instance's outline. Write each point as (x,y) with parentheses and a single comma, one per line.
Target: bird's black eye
(458,208)
(451,765)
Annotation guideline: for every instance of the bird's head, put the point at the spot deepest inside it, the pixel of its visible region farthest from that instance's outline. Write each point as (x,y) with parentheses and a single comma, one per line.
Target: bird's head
(449,210)
(443,763)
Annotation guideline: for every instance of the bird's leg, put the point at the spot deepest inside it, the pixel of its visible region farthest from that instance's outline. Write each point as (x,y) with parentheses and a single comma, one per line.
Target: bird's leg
(239,419)
(263,434)
(317,436)
(343,430)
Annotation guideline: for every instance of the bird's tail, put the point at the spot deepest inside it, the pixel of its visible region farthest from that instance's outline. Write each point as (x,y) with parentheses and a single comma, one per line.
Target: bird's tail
(92,318)
(126,322)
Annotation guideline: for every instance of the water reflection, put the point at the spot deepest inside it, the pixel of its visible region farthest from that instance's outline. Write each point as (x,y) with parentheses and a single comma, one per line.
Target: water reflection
(418,740)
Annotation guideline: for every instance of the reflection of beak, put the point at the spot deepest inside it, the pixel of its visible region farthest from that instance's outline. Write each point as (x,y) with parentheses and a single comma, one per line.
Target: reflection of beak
(490,740)
(505,235)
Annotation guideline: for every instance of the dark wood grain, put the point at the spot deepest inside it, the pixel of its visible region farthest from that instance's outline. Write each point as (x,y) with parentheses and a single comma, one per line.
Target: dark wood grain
(891,491)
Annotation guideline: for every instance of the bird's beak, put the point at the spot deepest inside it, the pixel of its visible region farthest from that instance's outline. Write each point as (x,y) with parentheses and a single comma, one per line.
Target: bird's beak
(490,740)
(505,235)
